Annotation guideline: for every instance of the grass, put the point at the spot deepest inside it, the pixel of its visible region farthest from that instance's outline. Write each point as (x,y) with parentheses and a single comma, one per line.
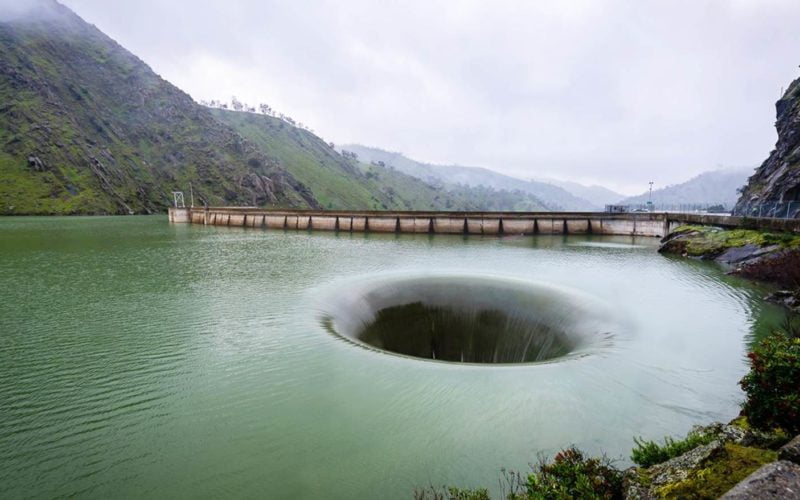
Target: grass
(649,453)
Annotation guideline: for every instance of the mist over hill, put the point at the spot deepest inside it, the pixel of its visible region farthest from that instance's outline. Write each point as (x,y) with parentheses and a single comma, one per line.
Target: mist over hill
(716,187)
(554,197)
(598,196)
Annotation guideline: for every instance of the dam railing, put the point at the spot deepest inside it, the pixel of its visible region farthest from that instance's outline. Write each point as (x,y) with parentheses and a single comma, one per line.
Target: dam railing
(655,224)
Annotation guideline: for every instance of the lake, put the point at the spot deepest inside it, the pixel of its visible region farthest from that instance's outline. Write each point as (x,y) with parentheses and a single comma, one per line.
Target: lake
(143,359)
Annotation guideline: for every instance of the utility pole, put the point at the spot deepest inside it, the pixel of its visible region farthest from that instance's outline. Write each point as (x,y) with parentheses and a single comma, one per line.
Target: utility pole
(191,195)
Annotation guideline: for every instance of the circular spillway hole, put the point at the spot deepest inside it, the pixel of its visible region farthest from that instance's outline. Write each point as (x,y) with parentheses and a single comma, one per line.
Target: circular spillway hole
(469,319)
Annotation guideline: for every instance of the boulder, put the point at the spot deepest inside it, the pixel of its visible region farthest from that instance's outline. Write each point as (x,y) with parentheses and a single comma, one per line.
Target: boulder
(779,479)
(791,450)
(786,298)
(679,468)
(35,163)
(744,253)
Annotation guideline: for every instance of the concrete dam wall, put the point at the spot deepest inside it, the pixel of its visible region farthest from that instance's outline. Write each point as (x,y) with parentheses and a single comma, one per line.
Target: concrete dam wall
(489,223)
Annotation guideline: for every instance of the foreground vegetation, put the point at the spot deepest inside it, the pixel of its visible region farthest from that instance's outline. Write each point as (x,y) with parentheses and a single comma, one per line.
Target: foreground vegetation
(705,464)
(648,453)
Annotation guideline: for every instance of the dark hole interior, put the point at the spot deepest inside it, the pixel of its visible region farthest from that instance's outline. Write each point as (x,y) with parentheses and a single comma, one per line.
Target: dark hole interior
(464,335)
(469,319)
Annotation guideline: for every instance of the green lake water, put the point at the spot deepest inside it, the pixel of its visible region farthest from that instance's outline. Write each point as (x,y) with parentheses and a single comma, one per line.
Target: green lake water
(141,359)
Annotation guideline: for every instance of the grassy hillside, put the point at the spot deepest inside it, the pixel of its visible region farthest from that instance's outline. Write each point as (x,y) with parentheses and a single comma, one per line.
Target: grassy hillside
(344,183)
(86,127)
(334,182)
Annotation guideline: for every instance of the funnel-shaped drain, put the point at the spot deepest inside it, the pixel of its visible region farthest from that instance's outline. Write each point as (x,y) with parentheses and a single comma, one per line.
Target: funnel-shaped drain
(470,319)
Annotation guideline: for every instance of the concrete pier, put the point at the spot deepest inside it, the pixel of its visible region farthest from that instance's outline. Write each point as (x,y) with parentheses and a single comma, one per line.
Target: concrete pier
(487,223)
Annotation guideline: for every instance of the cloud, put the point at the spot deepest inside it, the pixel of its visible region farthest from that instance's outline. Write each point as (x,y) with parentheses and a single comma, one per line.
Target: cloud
(608,92)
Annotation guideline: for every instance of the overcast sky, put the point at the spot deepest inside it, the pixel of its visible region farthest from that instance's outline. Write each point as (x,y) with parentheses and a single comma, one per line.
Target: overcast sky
(611,92)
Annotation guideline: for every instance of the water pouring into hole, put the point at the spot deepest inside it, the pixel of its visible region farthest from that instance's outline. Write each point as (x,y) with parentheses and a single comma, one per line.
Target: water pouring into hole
(470,319)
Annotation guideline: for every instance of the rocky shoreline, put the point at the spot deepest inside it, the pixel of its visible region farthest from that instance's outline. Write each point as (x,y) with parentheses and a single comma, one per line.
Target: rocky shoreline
(738,462)
(772,258)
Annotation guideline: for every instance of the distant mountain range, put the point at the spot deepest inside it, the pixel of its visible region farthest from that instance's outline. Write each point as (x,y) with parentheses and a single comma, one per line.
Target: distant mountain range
(553,196)
(598,196)
(716,187)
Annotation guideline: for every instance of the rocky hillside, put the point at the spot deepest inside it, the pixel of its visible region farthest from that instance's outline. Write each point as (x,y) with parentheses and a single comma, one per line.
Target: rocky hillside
(778,178)
(552,196)
(87,127)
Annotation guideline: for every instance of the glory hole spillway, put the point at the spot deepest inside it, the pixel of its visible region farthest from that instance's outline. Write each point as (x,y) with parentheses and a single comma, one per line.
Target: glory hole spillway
(249,358)
(470,319)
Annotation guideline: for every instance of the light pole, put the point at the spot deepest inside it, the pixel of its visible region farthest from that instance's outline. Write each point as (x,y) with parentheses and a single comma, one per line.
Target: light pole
(650,198)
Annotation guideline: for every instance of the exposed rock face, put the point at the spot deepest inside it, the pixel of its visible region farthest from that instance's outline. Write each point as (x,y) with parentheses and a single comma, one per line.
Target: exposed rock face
(778,178)
(744,253)
(731,445)
(679,468)
(779,479)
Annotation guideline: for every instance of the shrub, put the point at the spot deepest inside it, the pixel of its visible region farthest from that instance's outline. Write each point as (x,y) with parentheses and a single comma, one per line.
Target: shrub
(773,384)
(649,453)
(571,475)
(451,493)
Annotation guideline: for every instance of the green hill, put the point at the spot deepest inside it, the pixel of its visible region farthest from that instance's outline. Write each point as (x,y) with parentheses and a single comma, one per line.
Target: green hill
(336,182)
(88,128)
(340,182)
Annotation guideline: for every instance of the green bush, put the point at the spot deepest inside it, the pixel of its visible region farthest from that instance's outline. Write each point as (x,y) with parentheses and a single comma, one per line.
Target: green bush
(451,493)
(571,475)
(466,494)
(773,384)
(649,453)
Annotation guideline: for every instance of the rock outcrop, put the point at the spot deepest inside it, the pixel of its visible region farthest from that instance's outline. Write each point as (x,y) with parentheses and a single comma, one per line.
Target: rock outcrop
(710,469)
(778,178)
(762,256)
(779,479)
